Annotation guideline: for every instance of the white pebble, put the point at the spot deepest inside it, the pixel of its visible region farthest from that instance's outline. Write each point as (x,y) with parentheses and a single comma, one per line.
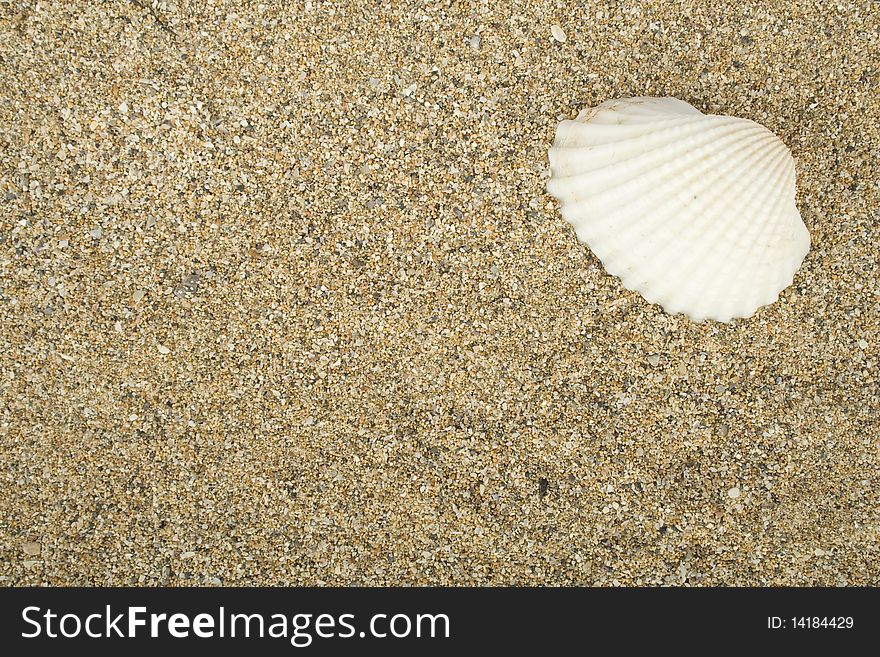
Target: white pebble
(163,349)
(733,493)
(862,344)
(557,33)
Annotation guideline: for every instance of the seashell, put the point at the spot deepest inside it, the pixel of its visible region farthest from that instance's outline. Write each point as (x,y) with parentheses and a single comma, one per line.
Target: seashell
(694,211)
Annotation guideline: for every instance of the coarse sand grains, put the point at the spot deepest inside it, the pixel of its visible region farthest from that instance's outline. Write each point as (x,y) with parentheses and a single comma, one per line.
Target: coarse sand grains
(284,301)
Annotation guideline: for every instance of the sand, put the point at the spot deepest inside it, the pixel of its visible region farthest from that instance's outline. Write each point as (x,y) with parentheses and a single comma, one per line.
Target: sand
(285,301)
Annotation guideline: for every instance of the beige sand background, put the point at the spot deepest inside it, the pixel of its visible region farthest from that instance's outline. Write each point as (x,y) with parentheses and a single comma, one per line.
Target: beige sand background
(285,301)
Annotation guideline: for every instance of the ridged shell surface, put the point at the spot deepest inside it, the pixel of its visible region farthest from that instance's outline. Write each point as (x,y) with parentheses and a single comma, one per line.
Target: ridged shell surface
(696,212)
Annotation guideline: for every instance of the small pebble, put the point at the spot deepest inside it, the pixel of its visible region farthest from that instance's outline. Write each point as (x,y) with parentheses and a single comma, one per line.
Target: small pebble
(557,33)
(32,549)
(733,493)
(163,349)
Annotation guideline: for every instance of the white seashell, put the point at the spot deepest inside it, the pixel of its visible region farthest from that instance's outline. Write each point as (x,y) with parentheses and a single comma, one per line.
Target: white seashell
(694,211)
